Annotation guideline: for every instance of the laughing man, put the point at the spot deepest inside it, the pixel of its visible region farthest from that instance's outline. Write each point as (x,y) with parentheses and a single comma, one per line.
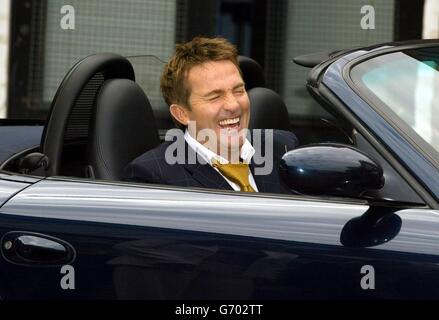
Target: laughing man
(205,91)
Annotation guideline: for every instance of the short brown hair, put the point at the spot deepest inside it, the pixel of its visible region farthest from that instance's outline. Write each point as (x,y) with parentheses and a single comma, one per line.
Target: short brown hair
(187,55)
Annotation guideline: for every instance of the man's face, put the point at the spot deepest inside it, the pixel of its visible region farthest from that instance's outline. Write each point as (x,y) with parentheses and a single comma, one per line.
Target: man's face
(218,101)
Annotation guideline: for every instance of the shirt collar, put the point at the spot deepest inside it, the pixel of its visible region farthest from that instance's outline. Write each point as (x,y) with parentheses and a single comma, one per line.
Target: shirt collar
(247,150)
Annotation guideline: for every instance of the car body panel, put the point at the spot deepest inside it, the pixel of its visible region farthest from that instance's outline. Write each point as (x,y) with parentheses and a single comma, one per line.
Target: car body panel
(11,184)
(165,243)
(280,218)
(227,213)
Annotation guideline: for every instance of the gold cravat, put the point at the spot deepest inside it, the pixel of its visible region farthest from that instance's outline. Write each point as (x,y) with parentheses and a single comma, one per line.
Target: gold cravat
(237,173)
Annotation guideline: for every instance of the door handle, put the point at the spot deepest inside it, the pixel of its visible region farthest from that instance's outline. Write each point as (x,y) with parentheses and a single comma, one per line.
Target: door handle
(29,248)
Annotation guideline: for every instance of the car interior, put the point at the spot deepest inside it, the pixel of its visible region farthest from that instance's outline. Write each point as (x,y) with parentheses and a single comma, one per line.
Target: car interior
(89,134)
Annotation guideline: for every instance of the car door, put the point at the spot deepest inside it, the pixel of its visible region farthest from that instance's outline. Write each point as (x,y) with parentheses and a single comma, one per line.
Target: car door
(11,184)
(152,242)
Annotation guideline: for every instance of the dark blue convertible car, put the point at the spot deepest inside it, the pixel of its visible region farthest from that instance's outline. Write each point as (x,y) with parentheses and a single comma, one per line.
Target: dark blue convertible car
(363,222)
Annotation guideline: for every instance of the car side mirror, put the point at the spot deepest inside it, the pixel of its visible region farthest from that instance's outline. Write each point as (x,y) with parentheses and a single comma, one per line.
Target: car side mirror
(330,169)
(32,162)
(376,226)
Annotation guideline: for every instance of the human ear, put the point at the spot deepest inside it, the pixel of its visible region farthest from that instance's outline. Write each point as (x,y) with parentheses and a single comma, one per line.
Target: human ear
(179,113)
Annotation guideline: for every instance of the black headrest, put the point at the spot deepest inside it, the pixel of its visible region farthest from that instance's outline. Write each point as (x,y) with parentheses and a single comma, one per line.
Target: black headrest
(72,106)
(122,129)
(267,110)
(251,72)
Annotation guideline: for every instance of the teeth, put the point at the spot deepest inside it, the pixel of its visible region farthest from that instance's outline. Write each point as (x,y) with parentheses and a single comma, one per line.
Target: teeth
(229,121)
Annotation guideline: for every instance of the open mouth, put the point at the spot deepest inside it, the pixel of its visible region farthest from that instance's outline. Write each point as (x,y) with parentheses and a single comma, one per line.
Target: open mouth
(232,123)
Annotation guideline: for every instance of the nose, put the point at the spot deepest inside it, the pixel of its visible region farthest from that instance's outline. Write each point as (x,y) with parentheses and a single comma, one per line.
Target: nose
(231,102)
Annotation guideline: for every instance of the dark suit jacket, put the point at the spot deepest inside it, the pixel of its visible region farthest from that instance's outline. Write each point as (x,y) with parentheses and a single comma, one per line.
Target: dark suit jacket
(151,167)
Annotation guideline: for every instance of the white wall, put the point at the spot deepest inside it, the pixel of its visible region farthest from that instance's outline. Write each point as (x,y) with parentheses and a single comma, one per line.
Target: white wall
(4,50)
(430,28)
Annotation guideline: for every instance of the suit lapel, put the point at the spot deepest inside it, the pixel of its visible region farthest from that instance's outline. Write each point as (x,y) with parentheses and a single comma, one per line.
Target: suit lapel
(265,183)
(208,177)
(269,182)
(205,174)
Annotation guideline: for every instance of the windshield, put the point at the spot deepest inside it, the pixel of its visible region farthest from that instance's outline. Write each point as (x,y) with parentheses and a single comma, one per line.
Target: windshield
(406,84)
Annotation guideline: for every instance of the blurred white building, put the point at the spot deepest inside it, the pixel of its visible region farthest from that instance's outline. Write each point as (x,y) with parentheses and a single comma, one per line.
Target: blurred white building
(430,29)
(4,48)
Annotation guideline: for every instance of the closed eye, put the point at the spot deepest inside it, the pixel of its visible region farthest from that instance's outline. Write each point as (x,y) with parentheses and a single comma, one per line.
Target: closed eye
(213,98)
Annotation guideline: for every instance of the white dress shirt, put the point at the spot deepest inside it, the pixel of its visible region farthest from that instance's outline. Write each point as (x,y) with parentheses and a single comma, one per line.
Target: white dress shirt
(247,152)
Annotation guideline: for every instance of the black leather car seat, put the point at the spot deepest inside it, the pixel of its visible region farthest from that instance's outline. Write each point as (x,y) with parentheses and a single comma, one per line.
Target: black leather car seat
(122,129)
(267,110)
(73,133)
(252,72)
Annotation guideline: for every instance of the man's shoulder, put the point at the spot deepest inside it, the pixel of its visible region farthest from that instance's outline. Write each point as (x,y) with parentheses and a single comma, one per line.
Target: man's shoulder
(283,133)
(285,140)
(150,166)
(279,137)
(158,153)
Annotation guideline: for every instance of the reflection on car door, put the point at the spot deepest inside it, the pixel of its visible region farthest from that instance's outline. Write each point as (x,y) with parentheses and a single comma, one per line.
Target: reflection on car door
(144,242)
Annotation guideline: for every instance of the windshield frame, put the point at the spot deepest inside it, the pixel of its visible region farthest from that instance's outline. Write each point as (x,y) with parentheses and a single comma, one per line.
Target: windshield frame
(404,129)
